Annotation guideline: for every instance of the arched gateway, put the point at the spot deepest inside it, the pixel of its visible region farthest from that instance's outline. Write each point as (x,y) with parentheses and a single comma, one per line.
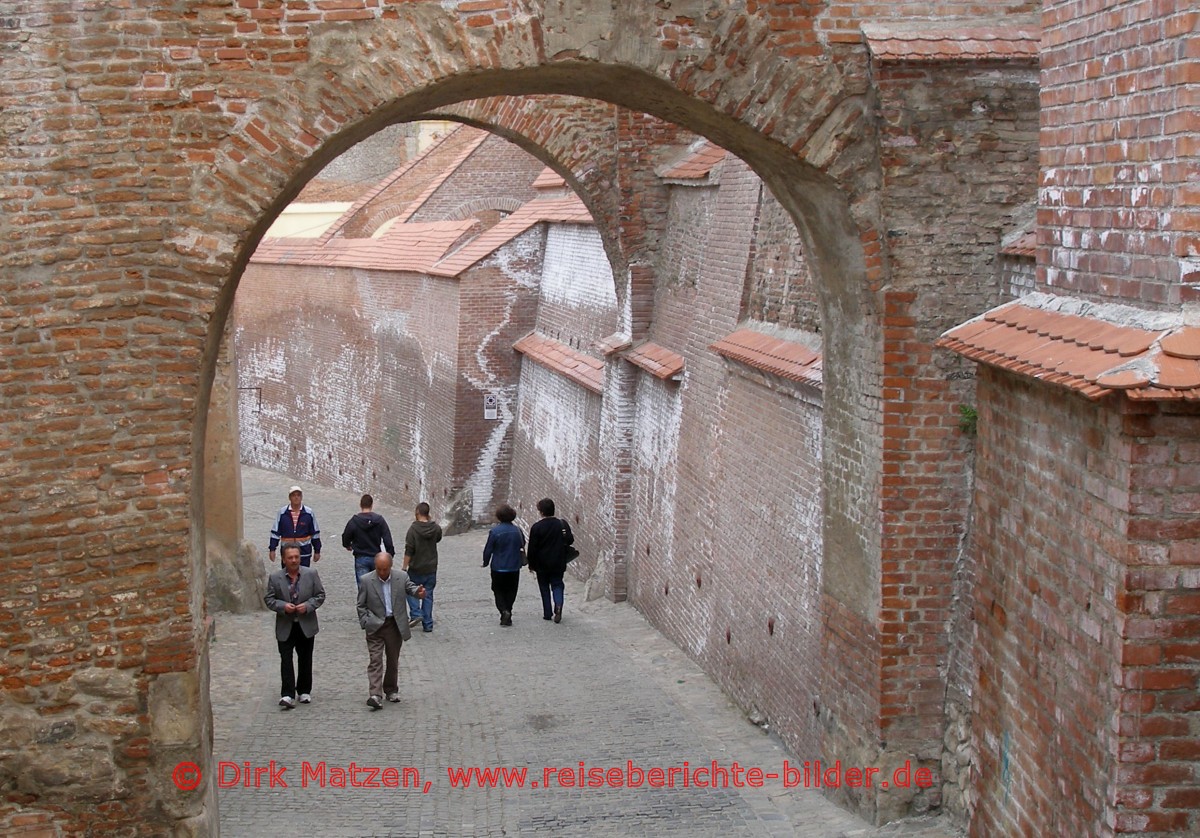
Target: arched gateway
(148,146)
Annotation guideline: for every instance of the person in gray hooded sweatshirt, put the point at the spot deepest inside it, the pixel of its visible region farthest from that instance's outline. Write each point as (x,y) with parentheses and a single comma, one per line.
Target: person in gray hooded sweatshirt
(367,534)
(420,562)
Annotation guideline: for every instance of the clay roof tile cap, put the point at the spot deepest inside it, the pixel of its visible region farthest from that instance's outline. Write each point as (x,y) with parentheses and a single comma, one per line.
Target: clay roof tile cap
(1124,378)
(1183,343)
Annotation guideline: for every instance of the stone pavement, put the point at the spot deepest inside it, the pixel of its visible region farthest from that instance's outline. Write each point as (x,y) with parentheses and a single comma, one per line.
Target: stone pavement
(602,688)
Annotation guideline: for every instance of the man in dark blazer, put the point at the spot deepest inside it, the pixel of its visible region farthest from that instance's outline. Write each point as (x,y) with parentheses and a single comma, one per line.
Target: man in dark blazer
(381,612)
(294,593)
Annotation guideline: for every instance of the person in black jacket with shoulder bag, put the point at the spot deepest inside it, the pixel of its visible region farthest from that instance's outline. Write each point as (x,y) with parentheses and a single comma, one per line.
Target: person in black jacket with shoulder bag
(549,540)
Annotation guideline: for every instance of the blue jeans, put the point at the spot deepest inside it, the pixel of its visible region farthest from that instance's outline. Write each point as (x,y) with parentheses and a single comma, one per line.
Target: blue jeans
(422,609)
(362,566)
(550,584)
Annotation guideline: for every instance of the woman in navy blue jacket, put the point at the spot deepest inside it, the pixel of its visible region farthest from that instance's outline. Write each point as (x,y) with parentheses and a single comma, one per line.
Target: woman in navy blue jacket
(505,552)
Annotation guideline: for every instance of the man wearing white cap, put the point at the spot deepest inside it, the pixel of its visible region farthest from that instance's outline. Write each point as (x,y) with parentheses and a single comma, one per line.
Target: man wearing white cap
(297,525)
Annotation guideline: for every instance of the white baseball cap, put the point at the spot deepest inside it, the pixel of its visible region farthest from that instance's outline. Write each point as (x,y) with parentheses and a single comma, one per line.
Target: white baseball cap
(295,489)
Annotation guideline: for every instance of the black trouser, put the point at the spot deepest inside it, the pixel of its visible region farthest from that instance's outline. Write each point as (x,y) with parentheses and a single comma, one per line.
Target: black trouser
(303,647)
(504,586)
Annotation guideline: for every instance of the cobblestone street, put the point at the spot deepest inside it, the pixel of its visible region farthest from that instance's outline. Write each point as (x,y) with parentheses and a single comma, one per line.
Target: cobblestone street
(602,688)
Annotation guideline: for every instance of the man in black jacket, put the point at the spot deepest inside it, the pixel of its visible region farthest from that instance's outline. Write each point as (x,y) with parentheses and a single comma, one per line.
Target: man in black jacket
(548,541)
(367,534)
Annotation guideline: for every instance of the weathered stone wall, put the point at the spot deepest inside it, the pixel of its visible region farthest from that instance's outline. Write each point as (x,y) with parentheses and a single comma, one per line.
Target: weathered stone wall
(959,168)
(357,371)
(556,454)
(725,536)
(779,289)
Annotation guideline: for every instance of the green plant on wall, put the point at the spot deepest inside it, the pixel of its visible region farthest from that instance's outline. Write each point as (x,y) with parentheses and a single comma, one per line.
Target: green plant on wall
(968,419)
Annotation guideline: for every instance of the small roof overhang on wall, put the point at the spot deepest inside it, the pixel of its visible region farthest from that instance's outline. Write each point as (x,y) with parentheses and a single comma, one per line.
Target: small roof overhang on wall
(657,360)
(700,165)
(554,355)
(1090,349)
(784,358)
(912,42)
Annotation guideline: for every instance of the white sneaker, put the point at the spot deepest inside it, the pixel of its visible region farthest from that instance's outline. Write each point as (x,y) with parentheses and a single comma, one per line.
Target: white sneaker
(287,702)
(305,698)
(394,698)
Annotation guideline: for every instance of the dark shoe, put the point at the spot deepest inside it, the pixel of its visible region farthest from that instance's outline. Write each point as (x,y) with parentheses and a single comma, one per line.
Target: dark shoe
(414,622)
(546,616)
(506,618)
(558,614)
(374,703)
(427,630)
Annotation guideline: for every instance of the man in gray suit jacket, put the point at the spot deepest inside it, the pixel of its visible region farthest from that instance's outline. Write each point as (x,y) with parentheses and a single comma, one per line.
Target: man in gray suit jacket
(381,613)
(294,593)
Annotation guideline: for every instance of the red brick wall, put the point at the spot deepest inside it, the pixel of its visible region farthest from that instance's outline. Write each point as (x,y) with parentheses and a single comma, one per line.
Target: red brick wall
(1085,709)
(577,301)
(738,585)
(1157,771)
(498,306)
(1046,619)
(497,170)
(779,288)
(1120,213)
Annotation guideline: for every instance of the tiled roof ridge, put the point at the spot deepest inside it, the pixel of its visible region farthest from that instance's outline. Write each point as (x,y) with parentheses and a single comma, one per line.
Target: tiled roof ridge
(969,39)
(408,247)
(1091,348)
(374,192)
(549,179)
(438,180)
(1115,314)
(554,355)
(565,209)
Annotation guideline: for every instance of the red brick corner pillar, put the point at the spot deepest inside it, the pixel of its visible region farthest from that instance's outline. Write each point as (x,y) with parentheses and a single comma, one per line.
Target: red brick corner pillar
(1155,786)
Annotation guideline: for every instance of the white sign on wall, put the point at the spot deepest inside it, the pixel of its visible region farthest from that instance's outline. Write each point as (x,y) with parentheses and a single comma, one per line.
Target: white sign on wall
(491,404)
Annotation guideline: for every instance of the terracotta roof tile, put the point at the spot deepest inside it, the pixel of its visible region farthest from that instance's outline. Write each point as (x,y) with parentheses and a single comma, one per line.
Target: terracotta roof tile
(554,355)
(1083,353)
(1177,373)
(1184,343)
(697,163)
(656,360)
(549,179)
(612,344)
(784,358)
(567,210)
(1025,246)
(406,247)
(950,42)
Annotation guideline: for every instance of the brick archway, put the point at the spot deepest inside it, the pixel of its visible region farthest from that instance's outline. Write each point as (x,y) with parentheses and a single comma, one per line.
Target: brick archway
(230,118)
